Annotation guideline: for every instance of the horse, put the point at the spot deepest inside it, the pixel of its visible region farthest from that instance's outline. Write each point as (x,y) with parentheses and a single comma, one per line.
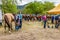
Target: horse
(8,19)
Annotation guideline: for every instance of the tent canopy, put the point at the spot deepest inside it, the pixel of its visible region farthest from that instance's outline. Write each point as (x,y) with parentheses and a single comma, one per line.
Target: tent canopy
(55,10)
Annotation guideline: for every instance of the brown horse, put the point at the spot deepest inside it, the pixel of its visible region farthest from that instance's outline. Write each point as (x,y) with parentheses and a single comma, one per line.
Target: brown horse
(8,19)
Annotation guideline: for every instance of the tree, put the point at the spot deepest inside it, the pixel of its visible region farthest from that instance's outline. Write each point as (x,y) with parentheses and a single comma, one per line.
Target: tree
(38,7)
(33,8)
(48,6)
(0,6)
(8,6)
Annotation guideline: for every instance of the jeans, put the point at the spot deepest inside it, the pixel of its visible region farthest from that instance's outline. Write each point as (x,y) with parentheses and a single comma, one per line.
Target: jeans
(20,23)
(19,26)
(58,24)
(44,24)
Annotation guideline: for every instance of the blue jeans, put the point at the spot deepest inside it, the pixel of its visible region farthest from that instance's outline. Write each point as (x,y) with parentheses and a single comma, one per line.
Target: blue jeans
(19,26)
(20,23)
(44,24)
(56,26)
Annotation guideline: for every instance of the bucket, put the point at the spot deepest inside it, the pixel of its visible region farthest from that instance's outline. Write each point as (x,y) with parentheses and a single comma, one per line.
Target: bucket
(17,28)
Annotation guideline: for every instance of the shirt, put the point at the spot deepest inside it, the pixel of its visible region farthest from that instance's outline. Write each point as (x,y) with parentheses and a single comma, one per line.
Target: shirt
(52,17)
(20,16)
(44,18)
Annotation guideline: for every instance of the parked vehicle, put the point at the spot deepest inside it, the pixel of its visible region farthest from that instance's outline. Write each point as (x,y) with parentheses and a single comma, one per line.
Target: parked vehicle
(0,17)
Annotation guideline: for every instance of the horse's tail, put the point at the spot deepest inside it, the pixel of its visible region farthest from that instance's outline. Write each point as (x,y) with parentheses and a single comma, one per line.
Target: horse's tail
(6,19)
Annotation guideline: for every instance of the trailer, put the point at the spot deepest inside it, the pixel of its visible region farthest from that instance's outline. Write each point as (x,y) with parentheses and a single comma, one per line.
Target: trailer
(0,17)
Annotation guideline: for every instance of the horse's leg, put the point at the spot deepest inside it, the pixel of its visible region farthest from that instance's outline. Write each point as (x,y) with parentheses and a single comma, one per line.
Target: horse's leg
(5,27)
(8,26)
(11,26)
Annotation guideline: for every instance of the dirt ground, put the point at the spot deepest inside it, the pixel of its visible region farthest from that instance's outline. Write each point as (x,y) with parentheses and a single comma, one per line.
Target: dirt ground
(31,31)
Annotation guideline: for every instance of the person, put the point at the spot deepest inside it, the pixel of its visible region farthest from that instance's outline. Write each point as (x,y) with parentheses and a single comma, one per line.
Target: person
(28,17)
(20,16)
(52,19)
(17,23)
(58,22)
(44,18)
(56,18)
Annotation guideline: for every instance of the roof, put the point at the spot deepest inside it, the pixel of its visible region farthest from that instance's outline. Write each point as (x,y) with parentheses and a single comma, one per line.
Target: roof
(55,10)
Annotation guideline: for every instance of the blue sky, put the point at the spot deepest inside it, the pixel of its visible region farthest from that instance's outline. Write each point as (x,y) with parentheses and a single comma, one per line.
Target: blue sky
(27,1)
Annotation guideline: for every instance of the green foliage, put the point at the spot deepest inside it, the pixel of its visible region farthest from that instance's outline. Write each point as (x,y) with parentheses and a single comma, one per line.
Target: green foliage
(0,6)
(38,7)
(48,6)
(8,6)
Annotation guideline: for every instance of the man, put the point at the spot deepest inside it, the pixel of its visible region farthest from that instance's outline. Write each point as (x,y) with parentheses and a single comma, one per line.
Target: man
(19,20)
(20,16)
(17,23)
(44,18)
(58,22)
(52,19)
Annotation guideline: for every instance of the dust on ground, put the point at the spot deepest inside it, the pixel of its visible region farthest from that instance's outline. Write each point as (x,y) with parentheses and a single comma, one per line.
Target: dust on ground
(32,31)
